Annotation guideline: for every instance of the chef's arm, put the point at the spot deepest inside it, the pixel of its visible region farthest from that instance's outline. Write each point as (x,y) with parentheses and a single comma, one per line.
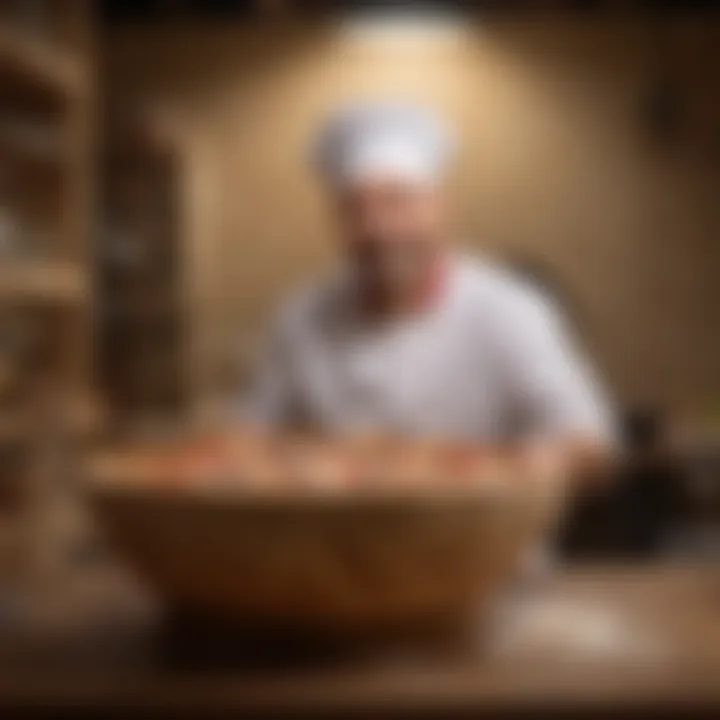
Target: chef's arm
(265,402)
(557,399)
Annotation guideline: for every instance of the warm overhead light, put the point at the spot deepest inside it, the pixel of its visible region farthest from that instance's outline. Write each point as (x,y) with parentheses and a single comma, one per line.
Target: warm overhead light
(404,24)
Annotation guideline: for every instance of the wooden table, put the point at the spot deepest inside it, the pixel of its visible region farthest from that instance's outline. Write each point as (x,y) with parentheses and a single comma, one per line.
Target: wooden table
(584,640)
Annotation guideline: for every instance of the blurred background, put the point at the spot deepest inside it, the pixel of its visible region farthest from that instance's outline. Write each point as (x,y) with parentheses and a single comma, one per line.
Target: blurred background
(156,202)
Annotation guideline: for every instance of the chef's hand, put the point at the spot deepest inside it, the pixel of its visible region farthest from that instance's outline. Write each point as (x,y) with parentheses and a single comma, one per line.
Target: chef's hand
(582,463)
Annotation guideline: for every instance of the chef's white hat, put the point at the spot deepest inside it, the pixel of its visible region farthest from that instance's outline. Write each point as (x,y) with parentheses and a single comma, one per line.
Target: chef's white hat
(382,140)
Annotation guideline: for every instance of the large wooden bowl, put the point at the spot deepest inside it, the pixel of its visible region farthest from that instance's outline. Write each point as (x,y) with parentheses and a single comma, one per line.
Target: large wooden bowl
(345,559)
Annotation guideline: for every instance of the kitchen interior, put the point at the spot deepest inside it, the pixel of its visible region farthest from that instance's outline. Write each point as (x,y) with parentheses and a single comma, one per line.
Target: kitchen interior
(156,205)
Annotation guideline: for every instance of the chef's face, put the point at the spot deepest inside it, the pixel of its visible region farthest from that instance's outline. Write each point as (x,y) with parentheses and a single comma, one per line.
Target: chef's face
(392,230)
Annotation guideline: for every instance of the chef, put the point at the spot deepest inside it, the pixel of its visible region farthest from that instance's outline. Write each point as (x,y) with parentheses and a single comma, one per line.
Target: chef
(408,335)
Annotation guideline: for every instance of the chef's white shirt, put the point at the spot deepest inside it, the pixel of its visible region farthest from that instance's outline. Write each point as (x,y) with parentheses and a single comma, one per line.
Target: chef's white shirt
(490,361)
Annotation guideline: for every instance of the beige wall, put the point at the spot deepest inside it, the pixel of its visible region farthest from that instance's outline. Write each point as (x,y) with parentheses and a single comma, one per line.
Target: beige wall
(556,163)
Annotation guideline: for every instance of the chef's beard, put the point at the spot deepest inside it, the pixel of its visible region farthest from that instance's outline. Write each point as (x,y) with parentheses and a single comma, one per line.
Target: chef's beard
(392,277)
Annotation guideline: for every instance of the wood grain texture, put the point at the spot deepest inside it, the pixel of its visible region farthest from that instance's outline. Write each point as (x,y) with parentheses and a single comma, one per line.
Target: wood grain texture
(96,646)
(343,560)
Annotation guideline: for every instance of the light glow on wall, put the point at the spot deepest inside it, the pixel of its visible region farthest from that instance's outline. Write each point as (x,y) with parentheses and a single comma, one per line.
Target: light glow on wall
(401,28)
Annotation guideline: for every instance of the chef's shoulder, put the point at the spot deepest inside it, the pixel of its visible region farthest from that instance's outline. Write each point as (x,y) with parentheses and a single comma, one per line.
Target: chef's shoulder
(506,307)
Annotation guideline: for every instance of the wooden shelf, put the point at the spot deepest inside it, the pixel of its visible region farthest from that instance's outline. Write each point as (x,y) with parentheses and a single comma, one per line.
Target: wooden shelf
(32,60)
(46,139)
(45,282)
(142,348)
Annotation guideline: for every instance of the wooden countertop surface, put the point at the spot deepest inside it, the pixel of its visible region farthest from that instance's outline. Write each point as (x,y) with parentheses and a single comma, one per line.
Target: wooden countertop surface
(588,637)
